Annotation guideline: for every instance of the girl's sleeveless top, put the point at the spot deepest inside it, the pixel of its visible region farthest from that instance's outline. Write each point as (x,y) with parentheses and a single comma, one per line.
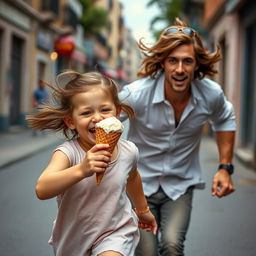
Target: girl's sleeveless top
(87,212)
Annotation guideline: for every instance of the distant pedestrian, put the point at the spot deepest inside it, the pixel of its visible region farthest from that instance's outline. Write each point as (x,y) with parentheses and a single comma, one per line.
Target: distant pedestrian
(92,219)
(39,98)
(172,102)
(40,95)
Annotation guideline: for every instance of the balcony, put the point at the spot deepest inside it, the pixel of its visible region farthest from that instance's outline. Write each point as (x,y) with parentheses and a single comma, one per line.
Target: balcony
(50,10)
(70,18)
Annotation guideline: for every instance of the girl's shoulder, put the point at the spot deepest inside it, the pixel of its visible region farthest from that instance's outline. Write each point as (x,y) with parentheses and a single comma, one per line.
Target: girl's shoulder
(72,150)
(69,145)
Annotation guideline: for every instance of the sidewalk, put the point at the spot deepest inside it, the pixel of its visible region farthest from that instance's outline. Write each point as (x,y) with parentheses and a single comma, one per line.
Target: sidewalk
(21,143)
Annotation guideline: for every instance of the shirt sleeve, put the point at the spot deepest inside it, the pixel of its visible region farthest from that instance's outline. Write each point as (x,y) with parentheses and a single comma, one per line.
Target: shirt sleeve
(223,117)
(136,159)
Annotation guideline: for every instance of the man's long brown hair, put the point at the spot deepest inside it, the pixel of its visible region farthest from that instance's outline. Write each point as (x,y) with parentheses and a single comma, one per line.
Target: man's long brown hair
(156,54)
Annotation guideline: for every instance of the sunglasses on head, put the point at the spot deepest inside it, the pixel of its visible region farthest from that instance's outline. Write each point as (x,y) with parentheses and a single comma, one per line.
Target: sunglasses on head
(188,31)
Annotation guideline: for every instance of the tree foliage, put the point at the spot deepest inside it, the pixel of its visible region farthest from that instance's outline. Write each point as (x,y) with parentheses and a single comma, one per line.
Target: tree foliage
(93,18)
(168,9)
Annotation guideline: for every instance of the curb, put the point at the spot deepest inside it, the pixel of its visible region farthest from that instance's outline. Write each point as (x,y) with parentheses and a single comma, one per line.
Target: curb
(13,153)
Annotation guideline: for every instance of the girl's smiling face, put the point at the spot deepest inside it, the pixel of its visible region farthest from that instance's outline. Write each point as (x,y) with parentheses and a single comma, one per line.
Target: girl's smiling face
(89,108)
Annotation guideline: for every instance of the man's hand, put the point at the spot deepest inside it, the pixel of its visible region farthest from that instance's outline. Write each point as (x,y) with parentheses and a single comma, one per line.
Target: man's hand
(222,184)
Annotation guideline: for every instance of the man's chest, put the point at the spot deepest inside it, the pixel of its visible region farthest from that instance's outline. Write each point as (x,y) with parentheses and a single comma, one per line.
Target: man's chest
(163,118)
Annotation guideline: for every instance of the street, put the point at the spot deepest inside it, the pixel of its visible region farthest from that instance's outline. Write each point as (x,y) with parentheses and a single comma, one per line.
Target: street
(225,227)
(26,222)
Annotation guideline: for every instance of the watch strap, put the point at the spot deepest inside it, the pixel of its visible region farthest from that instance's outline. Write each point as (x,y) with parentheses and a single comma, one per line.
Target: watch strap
(228,167)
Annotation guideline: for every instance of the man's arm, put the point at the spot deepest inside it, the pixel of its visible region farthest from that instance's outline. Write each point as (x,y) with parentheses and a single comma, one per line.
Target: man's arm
(225,141)
(222,181)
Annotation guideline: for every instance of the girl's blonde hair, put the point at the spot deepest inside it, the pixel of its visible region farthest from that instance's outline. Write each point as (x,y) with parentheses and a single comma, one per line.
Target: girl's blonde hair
(68,84)
(155,55)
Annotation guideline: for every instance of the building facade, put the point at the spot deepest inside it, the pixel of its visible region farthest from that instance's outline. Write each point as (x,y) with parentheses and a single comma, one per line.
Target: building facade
(29,31)
(17,40)
(232,25)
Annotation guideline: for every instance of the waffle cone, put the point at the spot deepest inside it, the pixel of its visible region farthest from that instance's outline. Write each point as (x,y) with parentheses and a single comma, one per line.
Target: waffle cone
(106,138)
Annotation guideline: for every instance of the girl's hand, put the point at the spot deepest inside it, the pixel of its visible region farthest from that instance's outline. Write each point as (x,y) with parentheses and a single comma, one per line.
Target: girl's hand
(147,221)
(96,160)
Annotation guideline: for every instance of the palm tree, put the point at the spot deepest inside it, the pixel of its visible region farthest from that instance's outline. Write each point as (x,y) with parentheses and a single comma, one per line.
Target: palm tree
(93,18)
(169,10)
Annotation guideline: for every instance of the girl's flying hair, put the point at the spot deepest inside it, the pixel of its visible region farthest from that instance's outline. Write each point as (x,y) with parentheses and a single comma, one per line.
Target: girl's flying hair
(68,84)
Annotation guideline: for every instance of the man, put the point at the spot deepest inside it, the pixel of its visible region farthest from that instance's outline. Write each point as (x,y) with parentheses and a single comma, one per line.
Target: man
(172,102)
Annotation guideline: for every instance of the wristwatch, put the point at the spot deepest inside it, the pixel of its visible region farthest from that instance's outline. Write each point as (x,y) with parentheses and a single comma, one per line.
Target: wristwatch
(228,167)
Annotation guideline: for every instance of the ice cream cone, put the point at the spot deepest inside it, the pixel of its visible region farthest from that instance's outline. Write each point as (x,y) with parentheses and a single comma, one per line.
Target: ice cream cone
(110,138)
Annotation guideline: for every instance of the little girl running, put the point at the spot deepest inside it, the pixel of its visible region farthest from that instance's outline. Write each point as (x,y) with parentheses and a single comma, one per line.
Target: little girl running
(92,219)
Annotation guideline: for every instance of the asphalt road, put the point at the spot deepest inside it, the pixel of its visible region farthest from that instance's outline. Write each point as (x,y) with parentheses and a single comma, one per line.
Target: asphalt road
(225,226)
(26,222)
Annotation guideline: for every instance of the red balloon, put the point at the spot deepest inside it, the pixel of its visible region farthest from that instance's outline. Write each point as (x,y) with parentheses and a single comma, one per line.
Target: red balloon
(65,45)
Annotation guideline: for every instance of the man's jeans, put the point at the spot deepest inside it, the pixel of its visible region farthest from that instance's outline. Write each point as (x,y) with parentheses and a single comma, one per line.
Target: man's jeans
(173,219)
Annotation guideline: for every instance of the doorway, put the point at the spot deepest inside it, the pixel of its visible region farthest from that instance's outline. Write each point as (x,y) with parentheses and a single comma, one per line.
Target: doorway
(16,64)
(249,89)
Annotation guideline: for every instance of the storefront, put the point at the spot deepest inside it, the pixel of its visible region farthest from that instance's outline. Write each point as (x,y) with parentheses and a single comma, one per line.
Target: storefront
(248,90)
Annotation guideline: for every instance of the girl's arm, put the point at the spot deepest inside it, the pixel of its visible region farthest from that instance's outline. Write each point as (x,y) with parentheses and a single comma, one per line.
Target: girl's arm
(59,176)
(135,191)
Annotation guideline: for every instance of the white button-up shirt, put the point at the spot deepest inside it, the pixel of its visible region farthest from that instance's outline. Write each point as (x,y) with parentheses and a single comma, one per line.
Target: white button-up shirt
(169,155)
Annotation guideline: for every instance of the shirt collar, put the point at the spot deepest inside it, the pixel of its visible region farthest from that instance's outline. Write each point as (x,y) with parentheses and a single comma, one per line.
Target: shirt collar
(195,92)
(159,89)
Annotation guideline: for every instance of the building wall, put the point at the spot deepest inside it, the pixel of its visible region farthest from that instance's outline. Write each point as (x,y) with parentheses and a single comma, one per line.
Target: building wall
(232,24)
(227,30)
(211,8)
(14,25)
(247,136)
(27,37)
(131,56)
(115,35)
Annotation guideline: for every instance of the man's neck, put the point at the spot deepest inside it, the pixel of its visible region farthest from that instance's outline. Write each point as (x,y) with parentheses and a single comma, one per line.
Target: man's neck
(177,98)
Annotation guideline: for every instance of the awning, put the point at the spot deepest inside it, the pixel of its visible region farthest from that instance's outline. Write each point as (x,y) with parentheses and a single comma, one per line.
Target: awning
(107,70)
(78,56)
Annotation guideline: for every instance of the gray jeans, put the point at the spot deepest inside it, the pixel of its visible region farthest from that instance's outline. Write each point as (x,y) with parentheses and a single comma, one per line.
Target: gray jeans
(173,219)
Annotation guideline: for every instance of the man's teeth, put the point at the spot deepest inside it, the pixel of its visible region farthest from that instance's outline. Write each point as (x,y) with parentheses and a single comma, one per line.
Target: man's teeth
(179,79)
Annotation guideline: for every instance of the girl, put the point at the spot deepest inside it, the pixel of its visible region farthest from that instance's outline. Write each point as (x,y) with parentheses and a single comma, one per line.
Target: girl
(91,220)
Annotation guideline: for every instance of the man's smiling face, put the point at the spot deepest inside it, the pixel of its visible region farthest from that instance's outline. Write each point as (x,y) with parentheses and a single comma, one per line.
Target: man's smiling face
(179,68)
